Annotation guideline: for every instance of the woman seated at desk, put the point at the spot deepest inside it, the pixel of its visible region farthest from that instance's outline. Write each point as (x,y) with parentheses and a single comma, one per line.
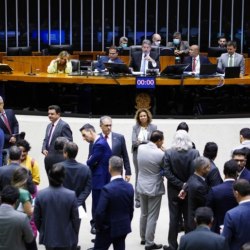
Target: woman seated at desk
(61,64)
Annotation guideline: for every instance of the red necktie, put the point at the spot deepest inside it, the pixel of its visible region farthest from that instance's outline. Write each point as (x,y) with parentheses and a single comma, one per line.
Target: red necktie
(106,137)
(193,65)
(6,122)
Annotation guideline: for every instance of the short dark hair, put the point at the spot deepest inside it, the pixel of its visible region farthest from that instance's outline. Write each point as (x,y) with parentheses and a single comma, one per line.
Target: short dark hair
(71,149)
(60,142)
(156,136)
(240,151)
(87,127)
(23,143)
(56,108)
(15,153)
(116,163)
(114,48)
(183,126)
(232,43)
(245,133)
(231,168)
(203,215)
(210,150)
(56,175)
(242,186)
(9,195)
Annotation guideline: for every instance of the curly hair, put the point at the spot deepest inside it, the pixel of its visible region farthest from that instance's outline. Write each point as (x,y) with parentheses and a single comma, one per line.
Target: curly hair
(139,111)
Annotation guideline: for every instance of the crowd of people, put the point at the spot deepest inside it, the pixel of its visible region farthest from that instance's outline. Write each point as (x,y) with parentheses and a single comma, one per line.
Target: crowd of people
(213,211)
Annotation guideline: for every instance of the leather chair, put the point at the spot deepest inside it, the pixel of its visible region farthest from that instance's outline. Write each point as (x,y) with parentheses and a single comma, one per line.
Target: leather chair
(19,51)
(135,48)
(75,65)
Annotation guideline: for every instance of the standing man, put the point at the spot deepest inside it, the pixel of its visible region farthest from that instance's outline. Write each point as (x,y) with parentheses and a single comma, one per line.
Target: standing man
(116,142)
(202,238)
(231,59)
(10,127)
(98,163)
(56,213)
(56,128)
(178,167)
(15,229)
(221,198)
(236,223)
(144,59)
(150,186)
(195,59)
(115,209)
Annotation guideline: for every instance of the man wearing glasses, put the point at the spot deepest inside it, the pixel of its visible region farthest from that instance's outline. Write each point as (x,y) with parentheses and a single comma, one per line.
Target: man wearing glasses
(111,58)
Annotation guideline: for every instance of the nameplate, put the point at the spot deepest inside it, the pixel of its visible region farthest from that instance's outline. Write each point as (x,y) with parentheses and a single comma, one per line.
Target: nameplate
(145,82)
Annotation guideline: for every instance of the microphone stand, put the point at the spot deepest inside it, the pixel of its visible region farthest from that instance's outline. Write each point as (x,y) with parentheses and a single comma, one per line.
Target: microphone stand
(31,73)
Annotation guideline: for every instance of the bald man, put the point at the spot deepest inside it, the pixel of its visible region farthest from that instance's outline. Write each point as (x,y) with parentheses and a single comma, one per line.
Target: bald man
(195,59)
(156,40)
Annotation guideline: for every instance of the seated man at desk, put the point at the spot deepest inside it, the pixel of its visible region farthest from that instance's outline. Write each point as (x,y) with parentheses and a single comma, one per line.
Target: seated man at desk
(144,59)
(112,57)
(194,60)
(231,59)
(61,64)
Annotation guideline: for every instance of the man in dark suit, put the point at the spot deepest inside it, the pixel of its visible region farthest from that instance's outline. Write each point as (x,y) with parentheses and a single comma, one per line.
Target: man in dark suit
(98,162)
(221,198)
(144,59)
(10,127)
(239,155)
(236,223)
(15,228)
(56,213)
(115,208)
(56,128)
(116,142)
(197,188)
(112,57)
(194,60)
(6,172)
(202,238)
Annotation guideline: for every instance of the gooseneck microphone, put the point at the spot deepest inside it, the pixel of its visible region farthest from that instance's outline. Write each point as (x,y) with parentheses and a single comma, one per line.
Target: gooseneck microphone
(31,73)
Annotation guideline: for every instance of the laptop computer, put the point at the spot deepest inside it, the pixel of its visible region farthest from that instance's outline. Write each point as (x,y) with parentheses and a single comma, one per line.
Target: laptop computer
(208,70)
(232,72)
(5,68)
(117,68)
(174,71)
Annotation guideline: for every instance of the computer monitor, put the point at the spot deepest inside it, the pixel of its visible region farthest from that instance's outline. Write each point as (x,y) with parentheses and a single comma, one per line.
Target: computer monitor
(56,49)
(174,70)
(215,51)
(5,68)
(117,68)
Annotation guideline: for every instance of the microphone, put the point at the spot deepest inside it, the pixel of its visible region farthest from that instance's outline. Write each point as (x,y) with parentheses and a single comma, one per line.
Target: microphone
(31,73)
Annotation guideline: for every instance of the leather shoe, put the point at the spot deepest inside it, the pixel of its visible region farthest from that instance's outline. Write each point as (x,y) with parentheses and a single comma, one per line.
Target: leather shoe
(93,230)
(143,242)
(93,240)
(78,248)
(90,248)
(167,247)
(155,246)
(137,204)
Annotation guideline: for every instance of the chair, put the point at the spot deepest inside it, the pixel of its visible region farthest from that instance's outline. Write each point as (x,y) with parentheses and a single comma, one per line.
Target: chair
(135,48)
(75,65)
(19,51)
(56,49)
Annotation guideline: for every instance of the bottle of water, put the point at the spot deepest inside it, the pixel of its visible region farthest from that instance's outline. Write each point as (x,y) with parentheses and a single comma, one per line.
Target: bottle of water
(177,60)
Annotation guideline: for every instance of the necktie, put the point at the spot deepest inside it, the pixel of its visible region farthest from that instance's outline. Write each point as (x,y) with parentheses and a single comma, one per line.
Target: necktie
(106,137)
(193,64)
(230,61)
(6,122)
(50,135)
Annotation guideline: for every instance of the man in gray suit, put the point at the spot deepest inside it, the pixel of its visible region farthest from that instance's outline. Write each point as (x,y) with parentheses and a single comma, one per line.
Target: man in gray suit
(15,229)
(231,59)
(56,128)
(150,187)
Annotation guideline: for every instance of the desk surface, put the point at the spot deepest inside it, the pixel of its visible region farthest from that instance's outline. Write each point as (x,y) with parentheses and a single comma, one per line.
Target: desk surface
(63,78)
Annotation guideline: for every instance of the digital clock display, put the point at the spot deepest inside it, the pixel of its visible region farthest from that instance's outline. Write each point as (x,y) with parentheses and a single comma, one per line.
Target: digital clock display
(145,82)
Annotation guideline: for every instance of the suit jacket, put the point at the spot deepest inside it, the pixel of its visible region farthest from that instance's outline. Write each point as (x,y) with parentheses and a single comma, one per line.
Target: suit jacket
(52,158)
(14,126)
(202,239)
(188,60)
(56,217)
(115,208)
(238,61)
(245,174)
(6,173)
(136,130)
(150,162)
(184,46)
(77,178)
(119,149)
(62,129)
(136,57)
(213,178)
(100,64)
(221,199)
(237,226)
(98,162)
(15,229)
(197,197)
